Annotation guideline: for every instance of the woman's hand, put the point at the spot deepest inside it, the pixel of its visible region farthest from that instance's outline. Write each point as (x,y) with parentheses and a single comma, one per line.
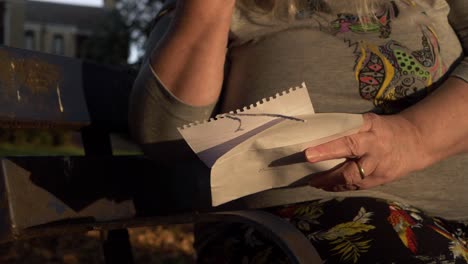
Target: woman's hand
(389,147)
(385,149)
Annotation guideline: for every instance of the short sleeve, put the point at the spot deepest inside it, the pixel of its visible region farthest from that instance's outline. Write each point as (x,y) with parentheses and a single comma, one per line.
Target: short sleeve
(154,112)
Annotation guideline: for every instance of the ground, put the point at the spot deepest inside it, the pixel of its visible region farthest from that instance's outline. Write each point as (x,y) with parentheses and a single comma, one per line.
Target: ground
(155,245)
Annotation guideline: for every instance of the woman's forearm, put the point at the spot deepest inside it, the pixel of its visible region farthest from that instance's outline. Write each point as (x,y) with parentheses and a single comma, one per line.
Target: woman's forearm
(391,146)
(190,59)
(441,121)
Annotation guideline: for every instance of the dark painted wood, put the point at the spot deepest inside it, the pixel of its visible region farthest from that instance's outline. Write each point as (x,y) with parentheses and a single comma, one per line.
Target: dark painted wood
(116,247)
(57,195)
(107,90)
(6,225)
(80,181)
(2,22)
(96,142)
(40,90)
(44,90)
(69,186)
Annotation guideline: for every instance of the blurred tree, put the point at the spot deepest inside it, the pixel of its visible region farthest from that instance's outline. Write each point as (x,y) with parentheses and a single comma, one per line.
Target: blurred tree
(138,15)
(109,42)
(127,26)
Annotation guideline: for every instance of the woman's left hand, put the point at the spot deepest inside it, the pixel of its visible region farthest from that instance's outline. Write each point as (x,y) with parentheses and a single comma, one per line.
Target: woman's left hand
(385,149)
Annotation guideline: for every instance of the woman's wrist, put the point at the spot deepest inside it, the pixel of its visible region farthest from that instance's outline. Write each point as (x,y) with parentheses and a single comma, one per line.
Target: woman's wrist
(414,143)
(439,122)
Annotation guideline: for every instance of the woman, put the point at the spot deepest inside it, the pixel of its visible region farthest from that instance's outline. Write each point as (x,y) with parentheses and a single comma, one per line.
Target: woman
(377,57)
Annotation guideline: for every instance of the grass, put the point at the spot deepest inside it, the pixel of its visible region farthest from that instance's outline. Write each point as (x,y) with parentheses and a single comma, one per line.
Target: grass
(152,245)
(7,149)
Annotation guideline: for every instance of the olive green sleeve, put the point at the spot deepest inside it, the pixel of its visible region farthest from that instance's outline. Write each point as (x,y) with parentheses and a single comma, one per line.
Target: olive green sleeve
(155,113)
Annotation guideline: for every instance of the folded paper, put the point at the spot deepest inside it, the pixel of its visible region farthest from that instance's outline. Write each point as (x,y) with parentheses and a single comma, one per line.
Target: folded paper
(261,147)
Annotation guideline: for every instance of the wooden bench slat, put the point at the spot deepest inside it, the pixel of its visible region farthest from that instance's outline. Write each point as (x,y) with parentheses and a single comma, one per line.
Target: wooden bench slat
(37,191)
(107,91)
(44,90)
(40,90)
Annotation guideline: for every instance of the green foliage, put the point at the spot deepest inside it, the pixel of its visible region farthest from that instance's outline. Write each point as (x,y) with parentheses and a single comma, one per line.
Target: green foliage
(310,212)
(38,141)
(39,150)
(346,237)
(138,16)
(53,137)
(110,42)
(129,24)
(350,248)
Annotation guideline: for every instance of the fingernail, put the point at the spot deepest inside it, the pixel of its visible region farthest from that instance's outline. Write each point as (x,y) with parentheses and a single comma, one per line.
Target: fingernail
(312,154)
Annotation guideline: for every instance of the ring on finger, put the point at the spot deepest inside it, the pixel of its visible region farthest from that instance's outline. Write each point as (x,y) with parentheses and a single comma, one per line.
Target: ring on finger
(362,173)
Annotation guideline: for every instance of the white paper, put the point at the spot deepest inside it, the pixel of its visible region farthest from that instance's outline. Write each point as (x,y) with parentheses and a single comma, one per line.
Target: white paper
(208,137)
(260,147)
(248,168)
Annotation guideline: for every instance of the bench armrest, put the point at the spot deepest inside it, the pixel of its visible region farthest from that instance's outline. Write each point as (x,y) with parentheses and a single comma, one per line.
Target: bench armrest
(297,247)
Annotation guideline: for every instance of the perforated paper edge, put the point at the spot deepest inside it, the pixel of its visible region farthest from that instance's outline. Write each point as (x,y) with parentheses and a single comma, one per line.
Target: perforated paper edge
(245,108)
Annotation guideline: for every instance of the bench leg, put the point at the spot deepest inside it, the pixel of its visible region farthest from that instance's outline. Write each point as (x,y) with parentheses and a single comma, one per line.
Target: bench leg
(116,247)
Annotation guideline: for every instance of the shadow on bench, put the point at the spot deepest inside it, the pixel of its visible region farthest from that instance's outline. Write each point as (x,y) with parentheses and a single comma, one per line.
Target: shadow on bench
(60,194)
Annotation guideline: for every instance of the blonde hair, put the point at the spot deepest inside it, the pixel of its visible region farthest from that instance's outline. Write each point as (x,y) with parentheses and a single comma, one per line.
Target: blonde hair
(288,9)
(276,8)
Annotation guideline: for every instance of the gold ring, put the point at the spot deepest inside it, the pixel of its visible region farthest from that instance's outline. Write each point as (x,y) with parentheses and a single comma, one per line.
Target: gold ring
(361,170)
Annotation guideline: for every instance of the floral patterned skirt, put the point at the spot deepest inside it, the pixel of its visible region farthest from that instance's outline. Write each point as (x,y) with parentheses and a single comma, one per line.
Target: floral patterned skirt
(343,230)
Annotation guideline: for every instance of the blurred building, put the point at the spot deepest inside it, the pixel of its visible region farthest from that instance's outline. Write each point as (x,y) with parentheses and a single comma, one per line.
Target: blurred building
(12,23)
(49,27)
(2,21)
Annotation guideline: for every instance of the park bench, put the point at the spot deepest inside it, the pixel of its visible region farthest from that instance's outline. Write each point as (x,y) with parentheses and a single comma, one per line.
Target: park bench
(53,195)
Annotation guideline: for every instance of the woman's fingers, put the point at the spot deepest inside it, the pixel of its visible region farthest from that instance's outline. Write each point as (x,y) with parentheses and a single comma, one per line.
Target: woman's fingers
(371,182)
(326,179)
(355,145)
(351,175)
(351,146)
(384,150)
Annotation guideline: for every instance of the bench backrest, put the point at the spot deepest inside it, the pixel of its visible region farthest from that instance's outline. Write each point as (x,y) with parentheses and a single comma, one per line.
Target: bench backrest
(43,90)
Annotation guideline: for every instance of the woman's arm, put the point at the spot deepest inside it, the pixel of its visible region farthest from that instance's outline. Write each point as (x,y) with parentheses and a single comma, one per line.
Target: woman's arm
(441,122)
(389,147)
(190,59)
(182,79)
